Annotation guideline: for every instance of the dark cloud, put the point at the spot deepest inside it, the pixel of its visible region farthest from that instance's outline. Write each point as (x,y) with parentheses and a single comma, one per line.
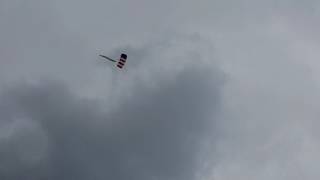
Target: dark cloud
(155,133)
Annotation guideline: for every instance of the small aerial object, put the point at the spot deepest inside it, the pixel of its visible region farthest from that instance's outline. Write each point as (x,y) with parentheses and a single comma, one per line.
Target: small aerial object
(120,62)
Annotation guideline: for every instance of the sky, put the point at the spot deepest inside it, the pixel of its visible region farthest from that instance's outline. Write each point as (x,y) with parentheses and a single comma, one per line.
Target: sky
(212,90)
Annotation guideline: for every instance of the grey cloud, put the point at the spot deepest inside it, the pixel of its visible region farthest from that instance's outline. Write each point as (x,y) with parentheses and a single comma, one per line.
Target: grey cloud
(156,133)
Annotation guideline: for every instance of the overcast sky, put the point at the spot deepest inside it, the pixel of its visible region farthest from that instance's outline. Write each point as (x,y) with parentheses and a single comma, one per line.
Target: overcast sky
(212,90)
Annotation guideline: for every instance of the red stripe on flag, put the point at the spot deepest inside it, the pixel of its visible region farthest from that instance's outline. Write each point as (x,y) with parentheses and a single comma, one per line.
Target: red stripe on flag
(121,63)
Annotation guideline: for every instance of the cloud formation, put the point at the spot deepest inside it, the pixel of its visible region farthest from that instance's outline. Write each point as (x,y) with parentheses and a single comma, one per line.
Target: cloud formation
(155,133)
